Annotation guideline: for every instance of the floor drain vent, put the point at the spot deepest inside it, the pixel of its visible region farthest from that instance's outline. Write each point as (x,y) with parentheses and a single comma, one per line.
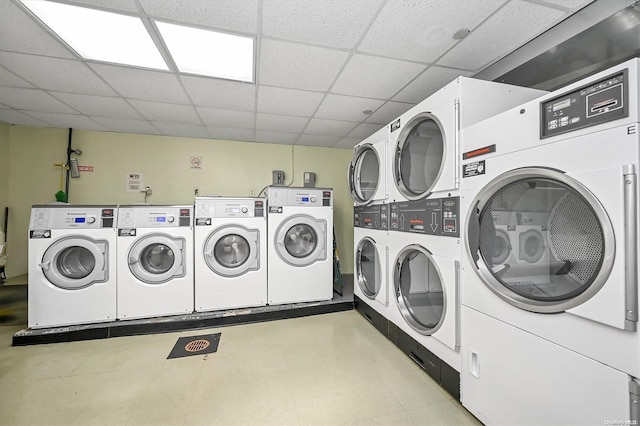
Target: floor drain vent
(197,345)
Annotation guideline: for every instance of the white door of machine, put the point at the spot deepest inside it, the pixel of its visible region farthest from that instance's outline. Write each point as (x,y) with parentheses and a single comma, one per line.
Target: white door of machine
(73,263)
(367,182)
(424,289)
(232,250)
(422,163)
(544,243)
(301,240)
(157,258)
(370,274)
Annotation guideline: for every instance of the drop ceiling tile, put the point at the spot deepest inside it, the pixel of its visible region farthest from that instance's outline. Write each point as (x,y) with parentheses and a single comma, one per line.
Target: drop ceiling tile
(348,108)
(278,100)
(99,105)
(319,126)
(347,143)
(216,93)
(116,5)
(388,112)
(430,81)
(62,75)
(277,137)
(511,27)
(226,118)
(21,33)
(63,121)
(226,134)
(307,67)
(364,130)
(421,31)
(280,123)
(123,125)
(7,78)
(333,23)
(13,116)
(239,16)
(181,130)
(568,4)
(143,84)
(172,113)
(317,140)
(374,77)
(33,100)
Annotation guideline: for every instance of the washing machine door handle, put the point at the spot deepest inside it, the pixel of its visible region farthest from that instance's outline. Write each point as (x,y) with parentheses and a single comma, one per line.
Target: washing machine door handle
(473,233)
(45,265)
(133,260)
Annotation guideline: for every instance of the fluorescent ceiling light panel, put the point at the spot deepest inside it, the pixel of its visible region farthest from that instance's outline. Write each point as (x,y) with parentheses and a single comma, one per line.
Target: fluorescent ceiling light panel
(98,35)
(210,53)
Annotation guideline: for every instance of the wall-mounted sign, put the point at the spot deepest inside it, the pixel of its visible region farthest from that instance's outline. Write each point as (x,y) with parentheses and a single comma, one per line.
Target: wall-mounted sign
(195,162)
(135,182)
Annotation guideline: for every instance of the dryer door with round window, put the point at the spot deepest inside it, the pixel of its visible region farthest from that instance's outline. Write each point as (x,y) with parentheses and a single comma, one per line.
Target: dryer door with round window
(231,251)
(157,258)
(540,240)
(74,263)
(422,163)
(370,269)
(301,240)
(364,175)
(424,292)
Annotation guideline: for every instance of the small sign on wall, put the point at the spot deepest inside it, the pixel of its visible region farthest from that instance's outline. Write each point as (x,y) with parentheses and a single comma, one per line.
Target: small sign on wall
(135,182)
(195,162)
(85,168)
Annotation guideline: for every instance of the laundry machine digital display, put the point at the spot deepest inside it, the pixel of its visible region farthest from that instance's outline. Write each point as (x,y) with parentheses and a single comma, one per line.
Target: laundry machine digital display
(371,217)
(595,103)
(433,216)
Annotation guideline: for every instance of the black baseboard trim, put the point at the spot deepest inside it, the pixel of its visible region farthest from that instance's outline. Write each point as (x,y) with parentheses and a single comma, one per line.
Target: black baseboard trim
(178,323)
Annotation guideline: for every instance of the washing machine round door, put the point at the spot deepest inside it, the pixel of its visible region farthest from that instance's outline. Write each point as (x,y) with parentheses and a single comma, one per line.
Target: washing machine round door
(301,240)
(157,258)
(364,174)
(368,267)
(562,242)
(231,251)
(419,156)
(419,289)
(74,263)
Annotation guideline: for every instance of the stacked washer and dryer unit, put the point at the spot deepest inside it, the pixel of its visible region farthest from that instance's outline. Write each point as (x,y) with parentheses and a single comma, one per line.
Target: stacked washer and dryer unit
(550,265)
(367,177)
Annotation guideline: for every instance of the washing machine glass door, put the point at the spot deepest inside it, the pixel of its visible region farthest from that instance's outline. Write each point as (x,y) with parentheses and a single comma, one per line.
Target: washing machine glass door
(368,268)
(74,263)
(419,291)
(301,240)
(540,240)
(232,250)
(364,174)
(156,258)
(419,156)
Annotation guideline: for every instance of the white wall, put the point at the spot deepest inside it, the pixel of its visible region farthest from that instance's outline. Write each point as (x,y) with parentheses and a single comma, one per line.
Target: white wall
(228,168)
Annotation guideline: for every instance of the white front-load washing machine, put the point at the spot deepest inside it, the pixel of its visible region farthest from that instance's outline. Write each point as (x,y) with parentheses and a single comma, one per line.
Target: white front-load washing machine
(424,142)
(72,265)
(300,244)
(155,261)
(424,251)
(555,180)
(368,169)
(230,253)
(371,256)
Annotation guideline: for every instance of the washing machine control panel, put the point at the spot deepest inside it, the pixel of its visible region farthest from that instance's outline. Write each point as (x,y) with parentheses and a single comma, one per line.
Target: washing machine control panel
(371,217)
(596,103)
(154,217)
(86,217)
(206,209)
(307,197)
(432,216)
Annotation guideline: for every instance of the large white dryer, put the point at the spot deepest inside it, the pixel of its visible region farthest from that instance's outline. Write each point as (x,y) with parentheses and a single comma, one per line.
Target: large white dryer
(551,201)
(425,141)
(424,251)
(72,265)
(231,253)
(371,256)
(155,261)
(368,169)
(300,249)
